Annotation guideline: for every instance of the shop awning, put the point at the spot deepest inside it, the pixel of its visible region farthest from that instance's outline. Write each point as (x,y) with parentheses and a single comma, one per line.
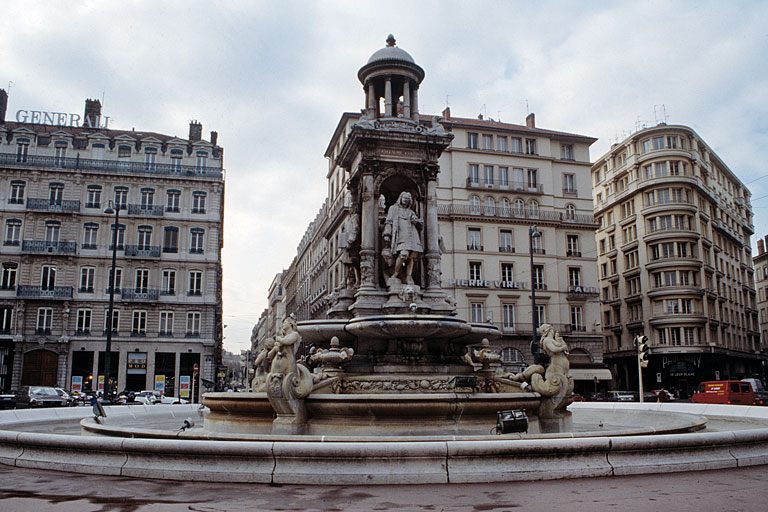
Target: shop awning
(591,374)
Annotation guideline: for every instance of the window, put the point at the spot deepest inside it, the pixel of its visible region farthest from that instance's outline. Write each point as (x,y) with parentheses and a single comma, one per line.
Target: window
(577,318)
(504,177)
(574,277)
(171,239)
(176,155)
(541,313)
(52,231)
(505,241)
(90,231)
(489,207)
(533,208)
(22,150)
(475,270)
(570,211)
(120,237)
(519,207)
(538,277)
(516,145)
(142,280)
(198,202)
(474,205)
(44,320)
(569,183)
(501,143)
(202,160)
(169,282)
(150,155)
(115,320)
(93,196)
(83,321)
(488,142)
(97,151)
(530,146)
(566,151)
(173,200)
(195,282)
(145,237)
(572,245)
(6,319)
(121,197)
(658,142)
(12,232)
(166,323)
(59,153)
(532,179)
(473,178)
(17,192)
(476,312)
(139,326)
(504,208)
(48,277)
(508,317)
(123,151)
(193,323)
(147,198)
(9,276)
(507,272)
(472,140)
(488,174)
(55,194)
(87,277)
(474,242)
(196,237)
(118,279)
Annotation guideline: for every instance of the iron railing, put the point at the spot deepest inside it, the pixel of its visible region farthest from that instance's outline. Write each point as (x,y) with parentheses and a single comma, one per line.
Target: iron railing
(39,292)
(38,246)
(39,203)
(140,294)
(142,251)
(527,214)
(142,209)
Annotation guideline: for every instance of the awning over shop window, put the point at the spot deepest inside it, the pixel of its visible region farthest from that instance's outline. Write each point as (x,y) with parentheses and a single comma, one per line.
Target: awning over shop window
(591,373)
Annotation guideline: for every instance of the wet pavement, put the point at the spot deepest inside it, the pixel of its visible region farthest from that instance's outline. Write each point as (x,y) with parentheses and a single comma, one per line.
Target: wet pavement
(742,490)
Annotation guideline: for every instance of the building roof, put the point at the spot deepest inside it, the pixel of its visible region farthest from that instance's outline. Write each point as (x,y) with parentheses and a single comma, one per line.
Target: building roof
(498,125)
(391,52)
(75,131)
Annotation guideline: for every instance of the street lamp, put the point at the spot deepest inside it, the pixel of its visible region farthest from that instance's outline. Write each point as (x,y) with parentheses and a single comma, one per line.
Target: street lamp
(109,210)
(533,233)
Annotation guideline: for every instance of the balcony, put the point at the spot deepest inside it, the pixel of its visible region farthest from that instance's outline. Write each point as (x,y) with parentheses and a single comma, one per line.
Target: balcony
(39,292)
(512,186)
(526,214)
(142,251)
(474,247)
(146,210)
(46,205)
(44,246)
(507,248)
(538,250)
(573,254)
(113,166)
(140,294)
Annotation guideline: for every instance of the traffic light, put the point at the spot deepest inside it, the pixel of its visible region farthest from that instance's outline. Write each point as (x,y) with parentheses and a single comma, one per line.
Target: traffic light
(641,342)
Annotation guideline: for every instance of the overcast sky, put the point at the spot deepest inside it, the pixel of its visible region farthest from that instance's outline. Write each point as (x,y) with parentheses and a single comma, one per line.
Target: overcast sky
(274,77)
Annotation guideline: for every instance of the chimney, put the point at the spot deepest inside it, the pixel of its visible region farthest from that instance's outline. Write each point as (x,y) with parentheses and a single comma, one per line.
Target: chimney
(195,131)
(480,117)
(760,247)
(3,105)
(92,117)
(766,241)
(214,138)
(530,120)
(447,113)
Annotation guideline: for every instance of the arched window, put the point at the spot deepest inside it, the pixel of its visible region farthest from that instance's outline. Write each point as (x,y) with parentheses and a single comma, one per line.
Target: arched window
(504,207)
(474,204)
(489,206)
(510,355)
(533,208)
(519,206)
(570,211)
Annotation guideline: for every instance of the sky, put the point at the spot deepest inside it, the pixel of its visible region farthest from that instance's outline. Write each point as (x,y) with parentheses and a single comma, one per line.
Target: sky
(273,78)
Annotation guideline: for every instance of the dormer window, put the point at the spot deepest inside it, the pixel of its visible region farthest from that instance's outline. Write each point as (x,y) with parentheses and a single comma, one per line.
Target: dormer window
(59,153)
(123,151)
(22,149)
(202,160)
(176,156)
(150,154)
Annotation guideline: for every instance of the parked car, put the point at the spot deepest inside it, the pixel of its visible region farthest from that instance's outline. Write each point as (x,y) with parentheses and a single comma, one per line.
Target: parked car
(66,396)
(724,392)
(172,400)
(7,400)
(38,396)
(621,396)
(148,397)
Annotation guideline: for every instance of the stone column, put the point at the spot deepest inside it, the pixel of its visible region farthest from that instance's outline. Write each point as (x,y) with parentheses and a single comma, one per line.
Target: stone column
(63,370)
(176,381)
(368,232)
(150,369)
(432,232)
(18,365)
(372,106)
(407,98)
(95,371)
(388,98)
(415,103)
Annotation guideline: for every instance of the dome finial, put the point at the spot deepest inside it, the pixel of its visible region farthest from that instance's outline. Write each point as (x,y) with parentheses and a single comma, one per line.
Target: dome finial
(391,40)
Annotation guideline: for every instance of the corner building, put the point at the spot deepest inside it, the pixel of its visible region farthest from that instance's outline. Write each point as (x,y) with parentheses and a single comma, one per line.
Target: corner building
(675,261)
(495,181)
(55,184)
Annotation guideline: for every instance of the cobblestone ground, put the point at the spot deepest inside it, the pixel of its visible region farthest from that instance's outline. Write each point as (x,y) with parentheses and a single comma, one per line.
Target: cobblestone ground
(737,490)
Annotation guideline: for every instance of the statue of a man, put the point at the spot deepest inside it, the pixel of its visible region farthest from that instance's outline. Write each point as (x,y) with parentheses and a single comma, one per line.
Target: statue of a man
(402,237)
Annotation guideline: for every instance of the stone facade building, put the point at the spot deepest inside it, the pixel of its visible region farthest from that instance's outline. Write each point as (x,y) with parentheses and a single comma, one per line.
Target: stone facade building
(760,262)
(675,261)
(56,180)
(495,181)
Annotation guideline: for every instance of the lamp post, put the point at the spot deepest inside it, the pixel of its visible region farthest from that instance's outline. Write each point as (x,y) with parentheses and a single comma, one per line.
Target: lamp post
(533,232)
(109,210)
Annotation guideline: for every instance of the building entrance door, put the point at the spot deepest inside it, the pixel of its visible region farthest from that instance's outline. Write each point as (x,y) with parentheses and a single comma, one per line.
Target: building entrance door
(40,368)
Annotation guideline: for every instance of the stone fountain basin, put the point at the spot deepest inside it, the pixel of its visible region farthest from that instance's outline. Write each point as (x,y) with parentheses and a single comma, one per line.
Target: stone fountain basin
(385,327)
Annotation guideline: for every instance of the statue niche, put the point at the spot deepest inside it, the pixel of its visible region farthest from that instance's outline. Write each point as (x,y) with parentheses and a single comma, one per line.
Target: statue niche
(402,242)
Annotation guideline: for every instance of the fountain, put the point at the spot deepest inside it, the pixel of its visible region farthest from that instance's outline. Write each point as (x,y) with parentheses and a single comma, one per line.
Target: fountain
(392,358)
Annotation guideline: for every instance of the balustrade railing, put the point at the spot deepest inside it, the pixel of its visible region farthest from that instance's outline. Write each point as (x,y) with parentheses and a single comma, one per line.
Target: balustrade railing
(40,292)
(44,204)
(528,214)
(40,246)
(142,209)
(142,251)
(140,294)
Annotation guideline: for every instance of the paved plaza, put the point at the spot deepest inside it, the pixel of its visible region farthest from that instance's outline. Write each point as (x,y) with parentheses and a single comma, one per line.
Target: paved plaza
(743,489)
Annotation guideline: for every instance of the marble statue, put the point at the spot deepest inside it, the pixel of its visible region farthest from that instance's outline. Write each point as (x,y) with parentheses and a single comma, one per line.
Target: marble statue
(402,237)
(350,256)
(332,358)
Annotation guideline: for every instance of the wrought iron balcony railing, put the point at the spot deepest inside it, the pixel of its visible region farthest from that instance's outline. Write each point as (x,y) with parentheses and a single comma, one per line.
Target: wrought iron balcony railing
(143,209)
(65,206)
(40,292)
(527,214)
(140,294)
(142,251)
(125,167)
(44,246)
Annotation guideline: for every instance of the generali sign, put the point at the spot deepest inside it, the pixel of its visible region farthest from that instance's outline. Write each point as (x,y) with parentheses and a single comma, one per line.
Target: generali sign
(60,119)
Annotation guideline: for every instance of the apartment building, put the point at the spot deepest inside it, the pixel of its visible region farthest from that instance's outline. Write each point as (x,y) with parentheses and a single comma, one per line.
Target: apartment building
(760,262)
(58,175)
(675,261)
